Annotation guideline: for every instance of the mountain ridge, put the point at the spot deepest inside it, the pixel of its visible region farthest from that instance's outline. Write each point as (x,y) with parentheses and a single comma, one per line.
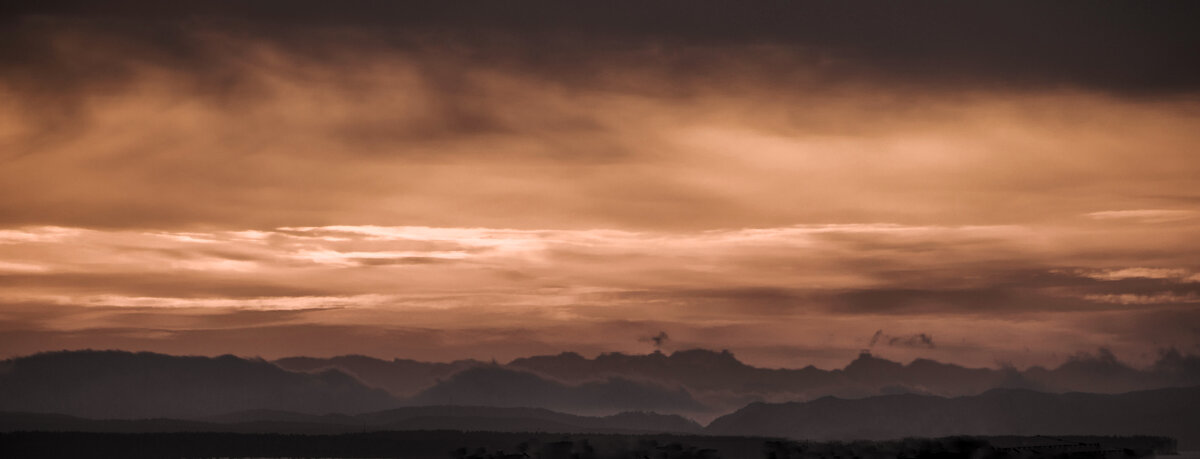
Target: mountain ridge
(1171,412)
(127,385)
(719,380)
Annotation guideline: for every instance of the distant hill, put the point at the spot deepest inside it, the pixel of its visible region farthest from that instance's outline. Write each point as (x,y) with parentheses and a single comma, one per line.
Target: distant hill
(870,375)
(502,387)
(698,384)
(1173,412)
(400,377)
(721,382)
(124,385)
(116,384)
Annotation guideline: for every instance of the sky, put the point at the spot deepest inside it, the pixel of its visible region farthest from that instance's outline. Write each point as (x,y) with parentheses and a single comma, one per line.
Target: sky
(983,183)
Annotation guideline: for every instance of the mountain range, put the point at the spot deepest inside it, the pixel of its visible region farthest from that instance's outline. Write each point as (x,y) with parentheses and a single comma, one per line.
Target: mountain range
(124,391)
(720,383)
(116,384)
(124,385)
(1173,412)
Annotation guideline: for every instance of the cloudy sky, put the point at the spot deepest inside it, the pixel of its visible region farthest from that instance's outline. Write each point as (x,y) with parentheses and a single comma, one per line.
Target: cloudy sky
(979,183)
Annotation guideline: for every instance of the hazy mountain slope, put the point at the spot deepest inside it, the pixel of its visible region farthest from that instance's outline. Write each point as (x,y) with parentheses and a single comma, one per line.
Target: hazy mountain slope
(709,374)
(501,387)
(723,383)
(1171,412)
(400,377)
(698,368)
(698,383)
(705,370)
(1102,372)
(719,380)
(115,384)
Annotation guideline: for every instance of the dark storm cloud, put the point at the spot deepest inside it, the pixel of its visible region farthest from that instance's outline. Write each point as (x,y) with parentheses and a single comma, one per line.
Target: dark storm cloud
(270,114)
(1124,47)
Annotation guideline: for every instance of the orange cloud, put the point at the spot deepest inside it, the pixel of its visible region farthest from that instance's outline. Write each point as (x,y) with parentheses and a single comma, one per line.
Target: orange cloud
(763,193)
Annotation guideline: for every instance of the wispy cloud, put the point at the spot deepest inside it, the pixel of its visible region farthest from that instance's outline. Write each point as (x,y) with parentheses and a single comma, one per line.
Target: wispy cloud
(1146,299)
(729,285)
(1145,215)
(1141,273)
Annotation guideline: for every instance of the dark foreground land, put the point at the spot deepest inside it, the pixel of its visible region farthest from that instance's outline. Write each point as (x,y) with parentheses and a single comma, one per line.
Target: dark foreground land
(504,445)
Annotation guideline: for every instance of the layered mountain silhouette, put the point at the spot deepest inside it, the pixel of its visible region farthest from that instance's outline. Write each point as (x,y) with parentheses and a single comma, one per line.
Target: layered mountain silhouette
(700,384)
(400,377)
(124,385)
(721,382)
(869,375)
(147,392)
(1173,412)
(495,386)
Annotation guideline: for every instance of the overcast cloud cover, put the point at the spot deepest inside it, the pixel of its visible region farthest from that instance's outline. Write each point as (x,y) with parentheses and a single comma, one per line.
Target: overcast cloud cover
(1013,181)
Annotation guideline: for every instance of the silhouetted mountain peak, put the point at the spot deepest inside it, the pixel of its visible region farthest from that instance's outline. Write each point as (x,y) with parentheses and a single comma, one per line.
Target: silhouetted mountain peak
(571,356)
(617,361)
(499,386)
(706,358)
(923,364)
(618,358)
(869,366)
(565,358)
(1184,369)
(400,377)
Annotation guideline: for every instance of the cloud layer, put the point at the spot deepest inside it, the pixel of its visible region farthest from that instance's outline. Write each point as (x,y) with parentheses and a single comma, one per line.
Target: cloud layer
(441,181)
(986,292)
